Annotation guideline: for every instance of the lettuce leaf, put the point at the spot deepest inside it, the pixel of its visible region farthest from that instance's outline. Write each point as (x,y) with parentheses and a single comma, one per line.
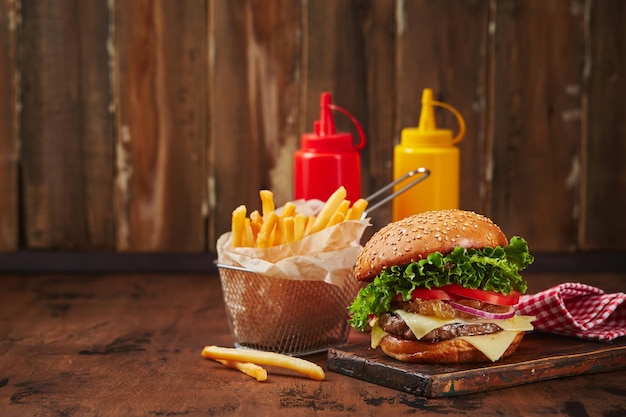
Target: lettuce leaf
(490,269)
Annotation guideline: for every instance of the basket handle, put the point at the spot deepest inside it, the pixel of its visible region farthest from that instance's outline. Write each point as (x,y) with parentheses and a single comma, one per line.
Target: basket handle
(425,173)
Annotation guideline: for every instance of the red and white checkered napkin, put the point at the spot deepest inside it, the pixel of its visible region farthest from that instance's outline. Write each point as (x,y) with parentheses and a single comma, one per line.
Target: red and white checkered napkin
(579,310)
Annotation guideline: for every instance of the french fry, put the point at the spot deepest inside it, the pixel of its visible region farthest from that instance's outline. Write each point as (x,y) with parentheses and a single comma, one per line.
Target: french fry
(331,205)
(251,369)
(288,210)
(256,221)
(356,211)
(299,226)
(339,215)
(343,208)
(263,239)
(258,357)
(265,228)
(337,218)
(238,217)
(267,203)
(288,228)
(248,239)
(309,224)
(278,235)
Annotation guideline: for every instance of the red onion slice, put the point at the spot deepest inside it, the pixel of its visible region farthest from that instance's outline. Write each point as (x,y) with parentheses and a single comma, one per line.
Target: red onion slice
(480,313)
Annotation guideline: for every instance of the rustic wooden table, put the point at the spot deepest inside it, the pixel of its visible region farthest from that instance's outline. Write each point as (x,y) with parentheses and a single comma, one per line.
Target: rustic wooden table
(129,345)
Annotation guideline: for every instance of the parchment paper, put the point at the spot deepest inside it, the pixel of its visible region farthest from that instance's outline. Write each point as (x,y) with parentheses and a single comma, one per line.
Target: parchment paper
(328,255)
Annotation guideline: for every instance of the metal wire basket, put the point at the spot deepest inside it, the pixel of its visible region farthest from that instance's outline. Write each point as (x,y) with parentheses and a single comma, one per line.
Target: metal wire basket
(289,316)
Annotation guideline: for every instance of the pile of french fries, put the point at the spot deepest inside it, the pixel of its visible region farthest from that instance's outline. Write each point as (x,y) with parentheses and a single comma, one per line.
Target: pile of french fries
(248,361)
(267,228)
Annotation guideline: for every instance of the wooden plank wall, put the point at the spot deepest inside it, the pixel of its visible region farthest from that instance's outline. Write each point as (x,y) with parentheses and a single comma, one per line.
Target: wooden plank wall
(8,126)
(138,126)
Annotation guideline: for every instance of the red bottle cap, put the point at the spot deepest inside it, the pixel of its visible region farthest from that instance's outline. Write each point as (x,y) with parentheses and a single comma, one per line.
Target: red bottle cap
(325,137)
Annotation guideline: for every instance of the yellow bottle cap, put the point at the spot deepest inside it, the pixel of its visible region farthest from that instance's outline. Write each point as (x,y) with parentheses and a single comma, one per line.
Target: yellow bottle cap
(427,133)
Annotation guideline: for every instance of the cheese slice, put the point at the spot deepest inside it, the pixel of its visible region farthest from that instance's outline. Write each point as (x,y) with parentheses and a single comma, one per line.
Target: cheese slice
(377,334)
(492,345)
(420,325)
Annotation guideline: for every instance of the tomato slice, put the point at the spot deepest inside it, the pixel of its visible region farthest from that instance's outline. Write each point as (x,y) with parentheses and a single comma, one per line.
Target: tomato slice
(426,294)
(490,297)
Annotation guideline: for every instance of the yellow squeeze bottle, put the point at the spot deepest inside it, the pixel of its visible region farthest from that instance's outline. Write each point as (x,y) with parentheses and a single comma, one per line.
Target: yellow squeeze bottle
(426,146)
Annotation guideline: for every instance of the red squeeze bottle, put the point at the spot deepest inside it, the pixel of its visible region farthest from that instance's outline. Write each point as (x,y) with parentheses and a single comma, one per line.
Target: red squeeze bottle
(328,159)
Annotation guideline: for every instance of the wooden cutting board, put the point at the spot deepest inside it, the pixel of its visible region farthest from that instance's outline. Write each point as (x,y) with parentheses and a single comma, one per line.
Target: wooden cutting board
(539,357)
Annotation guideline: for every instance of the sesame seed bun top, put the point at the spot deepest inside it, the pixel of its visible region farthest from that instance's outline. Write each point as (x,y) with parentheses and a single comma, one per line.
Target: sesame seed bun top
(415,237)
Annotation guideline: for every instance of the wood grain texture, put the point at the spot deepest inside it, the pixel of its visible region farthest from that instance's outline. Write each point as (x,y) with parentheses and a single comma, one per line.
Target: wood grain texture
(342,40)
(442,45)
(236,149)
(331,60)
(254,75)
(378,27)
(54,178)
(9,139)
(538,56)
(161,91)
(130,344)
(604,149)
(538,358)
(96,122)
(139,126)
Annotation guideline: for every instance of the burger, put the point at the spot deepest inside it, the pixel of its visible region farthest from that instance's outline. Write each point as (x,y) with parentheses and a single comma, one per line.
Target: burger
(442,287)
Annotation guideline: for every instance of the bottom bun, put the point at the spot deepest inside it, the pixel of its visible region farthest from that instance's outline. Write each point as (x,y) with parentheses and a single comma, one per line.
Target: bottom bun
(447,351)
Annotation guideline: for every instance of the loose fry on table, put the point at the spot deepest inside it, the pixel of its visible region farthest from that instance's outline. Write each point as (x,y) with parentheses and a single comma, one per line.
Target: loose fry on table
(258,357)
(255,371)
(331,205)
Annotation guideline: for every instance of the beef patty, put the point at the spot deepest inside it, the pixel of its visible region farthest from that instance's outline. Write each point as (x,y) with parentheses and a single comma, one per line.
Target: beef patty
(394,325)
